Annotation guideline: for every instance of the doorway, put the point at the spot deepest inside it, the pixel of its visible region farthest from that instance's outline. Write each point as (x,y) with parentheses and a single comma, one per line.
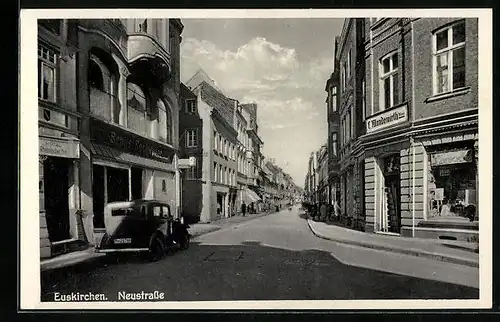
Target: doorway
(220,206)
(98,195)
(56,175)
(390,215)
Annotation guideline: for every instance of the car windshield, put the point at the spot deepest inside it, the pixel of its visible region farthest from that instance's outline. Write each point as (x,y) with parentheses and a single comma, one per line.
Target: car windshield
(122,212)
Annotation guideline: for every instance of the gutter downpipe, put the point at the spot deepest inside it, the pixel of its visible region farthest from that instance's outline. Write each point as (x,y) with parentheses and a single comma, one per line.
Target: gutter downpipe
(412,141)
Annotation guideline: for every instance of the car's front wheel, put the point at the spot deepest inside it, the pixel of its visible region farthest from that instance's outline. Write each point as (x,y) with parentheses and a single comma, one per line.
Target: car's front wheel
(156,250)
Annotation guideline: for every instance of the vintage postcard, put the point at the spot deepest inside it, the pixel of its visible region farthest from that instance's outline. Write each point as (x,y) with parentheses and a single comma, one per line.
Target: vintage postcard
(256,159)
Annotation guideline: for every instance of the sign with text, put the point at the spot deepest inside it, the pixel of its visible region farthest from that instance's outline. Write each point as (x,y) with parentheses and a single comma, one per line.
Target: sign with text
(387,119)
(450,157)
(125,141)
(59,147)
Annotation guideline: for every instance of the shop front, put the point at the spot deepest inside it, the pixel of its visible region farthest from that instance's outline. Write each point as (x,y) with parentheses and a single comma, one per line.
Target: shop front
(126,166)
(449,187)
(58,194)
(386,173)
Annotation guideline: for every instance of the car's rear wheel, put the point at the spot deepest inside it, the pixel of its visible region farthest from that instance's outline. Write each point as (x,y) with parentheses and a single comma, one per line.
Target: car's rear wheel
(156,250)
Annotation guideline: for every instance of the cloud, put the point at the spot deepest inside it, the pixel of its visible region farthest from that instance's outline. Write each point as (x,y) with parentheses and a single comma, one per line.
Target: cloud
(289,92)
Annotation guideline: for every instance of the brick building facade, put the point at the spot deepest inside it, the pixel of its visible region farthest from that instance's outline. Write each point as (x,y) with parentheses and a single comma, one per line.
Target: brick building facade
(421,124)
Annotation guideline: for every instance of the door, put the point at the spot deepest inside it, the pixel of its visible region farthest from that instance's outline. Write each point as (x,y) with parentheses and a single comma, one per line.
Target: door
(56,198)
(98,195)
(393,203)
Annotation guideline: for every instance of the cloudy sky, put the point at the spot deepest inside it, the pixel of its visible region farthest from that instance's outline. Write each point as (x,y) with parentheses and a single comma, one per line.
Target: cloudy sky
(282,65)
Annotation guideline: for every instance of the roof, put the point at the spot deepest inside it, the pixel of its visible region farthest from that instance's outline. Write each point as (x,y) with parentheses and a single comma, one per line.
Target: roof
(218,101)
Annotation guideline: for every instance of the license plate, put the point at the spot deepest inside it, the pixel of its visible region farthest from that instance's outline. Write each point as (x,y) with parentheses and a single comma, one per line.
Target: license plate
(122,240)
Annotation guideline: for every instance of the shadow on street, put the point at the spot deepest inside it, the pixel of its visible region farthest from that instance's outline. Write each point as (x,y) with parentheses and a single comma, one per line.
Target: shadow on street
(247,271)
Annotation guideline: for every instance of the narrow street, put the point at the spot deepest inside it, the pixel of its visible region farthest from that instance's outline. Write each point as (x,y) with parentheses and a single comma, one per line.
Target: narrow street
(275,257)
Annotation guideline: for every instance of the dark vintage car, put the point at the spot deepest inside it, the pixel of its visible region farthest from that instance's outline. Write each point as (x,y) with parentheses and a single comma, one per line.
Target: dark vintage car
(145,226)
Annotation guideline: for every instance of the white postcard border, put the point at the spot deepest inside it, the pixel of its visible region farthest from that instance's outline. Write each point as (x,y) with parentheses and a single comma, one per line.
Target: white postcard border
(29,269)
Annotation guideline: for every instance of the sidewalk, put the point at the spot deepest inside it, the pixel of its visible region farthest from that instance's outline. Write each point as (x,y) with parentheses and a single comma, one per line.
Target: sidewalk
(88,255)
(441,250)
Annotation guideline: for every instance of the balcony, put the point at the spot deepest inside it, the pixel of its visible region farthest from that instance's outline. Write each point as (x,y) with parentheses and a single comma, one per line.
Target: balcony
(52,116)
(143,45)
(113,28)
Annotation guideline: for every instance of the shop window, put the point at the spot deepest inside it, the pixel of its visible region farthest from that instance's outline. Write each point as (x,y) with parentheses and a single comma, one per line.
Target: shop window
(117,184)
(452,185)
(449,58)
(389,81)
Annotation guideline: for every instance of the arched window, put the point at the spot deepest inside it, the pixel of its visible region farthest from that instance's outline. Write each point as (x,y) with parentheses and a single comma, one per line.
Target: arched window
(95,76)
(102,87)
(162,121)
(136,108)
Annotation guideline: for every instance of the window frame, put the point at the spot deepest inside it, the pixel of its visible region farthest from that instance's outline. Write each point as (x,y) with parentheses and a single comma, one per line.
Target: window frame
(391,74)
(190,108)
(192,173)
(192,142)
(334,139)
(449,50)
(54,65)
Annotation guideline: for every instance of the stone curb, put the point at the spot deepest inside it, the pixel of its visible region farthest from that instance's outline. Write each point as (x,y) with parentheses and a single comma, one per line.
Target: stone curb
(412,252)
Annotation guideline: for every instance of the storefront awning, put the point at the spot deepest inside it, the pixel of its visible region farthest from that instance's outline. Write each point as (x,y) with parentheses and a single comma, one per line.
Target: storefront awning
(251,196)
(107,153)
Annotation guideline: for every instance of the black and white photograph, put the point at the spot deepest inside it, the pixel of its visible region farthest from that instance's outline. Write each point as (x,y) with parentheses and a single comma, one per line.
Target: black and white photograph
(256,159)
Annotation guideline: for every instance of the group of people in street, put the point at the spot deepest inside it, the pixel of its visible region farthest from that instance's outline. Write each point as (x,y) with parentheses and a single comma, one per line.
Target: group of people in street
(322,211)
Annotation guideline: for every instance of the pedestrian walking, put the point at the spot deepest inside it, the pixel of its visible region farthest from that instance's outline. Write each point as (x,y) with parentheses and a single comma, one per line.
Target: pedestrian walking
(243,209)
(322,212)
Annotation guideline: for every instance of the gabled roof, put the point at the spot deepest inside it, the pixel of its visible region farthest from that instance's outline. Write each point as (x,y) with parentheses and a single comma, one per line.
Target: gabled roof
(199,77)
(218,101)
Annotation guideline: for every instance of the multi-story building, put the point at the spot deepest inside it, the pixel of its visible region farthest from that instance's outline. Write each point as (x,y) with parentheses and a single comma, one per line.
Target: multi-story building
(421,136)
(312,178)
(128,77)
(253,155)
(323,192)
(120,77)
(61,223)
(350,58)
(191,145)
(219,149)
(333,119)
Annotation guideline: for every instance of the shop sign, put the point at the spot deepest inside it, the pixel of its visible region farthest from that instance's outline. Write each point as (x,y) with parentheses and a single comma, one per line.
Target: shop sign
(387,119)
(122,140)
(450,157)
(59,147)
